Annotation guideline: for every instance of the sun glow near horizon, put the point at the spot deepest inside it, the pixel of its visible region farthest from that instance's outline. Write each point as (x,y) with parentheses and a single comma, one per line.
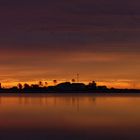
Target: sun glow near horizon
(110,83)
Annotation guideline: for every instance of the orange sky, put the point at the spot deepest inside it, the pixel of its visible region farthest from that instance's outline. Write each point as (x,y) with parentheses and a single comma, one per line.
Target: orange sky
(46,40)
(114,69)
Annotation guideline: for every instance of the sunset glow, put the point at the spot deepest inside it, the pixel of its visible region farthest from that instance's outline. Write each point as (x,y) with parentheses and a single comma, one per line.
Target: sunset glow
(56,40)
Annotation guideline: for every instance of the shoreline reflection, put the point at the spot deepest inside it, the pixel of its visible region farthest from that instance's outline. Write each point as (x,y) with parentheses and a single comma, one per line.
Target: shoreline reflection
(85,117)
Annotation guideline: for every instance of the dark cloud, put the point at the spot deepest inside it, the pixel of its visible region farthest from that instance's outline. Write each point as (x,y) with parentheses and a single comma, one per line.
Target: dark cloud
(78,23)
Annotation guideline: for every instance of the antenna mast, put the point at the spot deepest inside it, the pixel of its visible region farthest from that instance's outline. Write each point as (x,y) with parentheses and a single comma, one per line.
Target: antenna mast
(78,78)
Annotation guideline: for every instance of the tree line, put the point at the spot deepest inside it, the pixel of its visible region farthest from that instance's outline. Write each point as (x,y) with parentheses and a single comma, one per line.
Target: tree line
(64,87)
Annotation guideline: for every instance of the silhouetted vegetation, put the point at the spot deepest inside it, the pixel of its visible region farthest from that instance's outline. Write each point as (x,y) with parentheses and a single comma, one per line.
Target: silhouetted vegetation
(66,87)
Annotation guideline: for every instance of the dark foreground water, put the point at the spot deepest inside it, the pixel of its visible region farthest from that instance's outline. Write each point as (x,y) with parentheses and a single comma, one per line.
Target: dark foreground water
(69,117)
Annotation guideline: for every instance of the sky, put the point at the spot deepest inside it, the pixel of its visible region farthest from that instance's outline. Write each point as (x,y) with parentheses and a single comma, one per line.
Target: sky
(56,39)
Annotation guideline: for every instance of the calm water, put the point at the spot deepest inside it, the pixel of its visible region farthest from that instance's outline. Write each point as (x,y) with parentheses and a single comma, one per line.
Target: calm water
(69,117)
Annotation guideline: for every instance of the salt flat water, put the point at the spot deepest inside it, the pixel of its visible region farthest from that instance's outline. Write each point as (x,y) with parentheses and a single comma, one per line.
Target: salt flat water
(69,117)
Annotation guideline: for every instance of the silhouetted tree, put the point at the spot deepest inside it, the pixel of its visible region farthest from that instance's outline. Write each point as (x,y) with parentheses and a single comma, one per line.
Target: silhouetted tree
(26,86)
(46,83)
(19,86)
(35,86)
(55,82)
(73,80)
(40,83)
(93,84)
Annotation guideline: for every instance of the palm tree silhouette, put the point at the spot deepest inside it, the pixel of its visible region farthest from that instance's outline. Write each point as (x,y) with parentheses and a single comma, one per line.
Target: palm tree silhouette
(20,86)
(40,83)
(73,80)
(46,84)
(55,82)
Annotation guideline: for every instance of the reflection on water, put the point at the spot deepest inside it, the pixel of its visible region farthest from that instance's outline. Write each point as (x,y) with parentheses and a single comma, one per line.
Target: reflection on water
(81,117)
(56,101)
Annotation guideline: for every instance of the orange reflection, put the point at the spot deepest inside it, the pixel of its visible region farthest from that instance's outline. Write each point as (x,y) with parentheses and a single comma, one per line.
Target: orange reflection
(68,111)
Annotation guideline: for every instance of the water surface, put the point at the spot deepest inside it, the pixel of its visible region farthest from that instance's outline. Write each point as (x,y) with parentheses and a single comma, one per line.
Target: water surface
(64,117)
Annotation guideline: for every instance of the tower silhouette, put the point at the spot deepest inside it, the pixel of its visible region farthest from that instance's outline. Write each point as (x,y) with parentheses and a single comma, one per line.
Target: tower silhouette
(78,78)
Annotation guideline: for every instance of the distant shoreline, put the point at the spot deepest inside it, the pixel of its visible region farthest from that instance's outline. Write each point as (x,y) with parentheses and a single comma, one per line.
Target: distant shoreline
(67,88)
